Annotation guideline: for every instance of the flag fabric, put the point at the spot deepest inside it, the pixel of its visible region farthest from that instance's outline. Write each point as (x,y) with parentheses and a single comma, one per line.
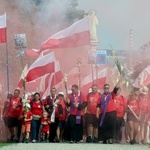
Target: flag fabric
(42,66)
(78,34)
(23,75)
(143,79)
(32,53)
(53,79)
(102,57)
(99,79)
(3,28)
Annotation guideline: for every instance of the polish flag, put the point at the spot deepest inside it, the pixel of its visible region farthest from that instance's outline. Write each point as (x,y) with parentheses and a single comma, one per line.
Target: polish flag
(42,66)
(53,79)
(143,79)
(77,35)
(100,80)
(3,28)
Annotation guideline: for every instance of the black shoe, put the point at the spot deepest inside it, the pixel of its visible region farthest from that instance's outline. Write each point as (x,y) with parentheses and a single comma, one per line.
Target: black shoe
(104,141)
(26,141)
(95,140)
(11,139)
(132,142)
(88,139)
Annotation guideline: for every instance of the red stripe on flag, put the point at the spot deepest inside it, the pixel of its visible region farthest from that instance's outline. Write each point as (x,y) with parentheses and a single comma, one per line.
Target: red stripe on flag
(40,71)
(75,40)
(2,35)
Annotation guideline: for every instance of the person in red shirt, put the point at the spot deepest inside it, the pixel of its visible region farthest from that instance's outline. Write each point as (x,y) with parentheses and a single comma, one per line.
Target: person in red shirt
(91,120)
(37,108)
(108,114)
(49,107)
(77,101)
(5,116)
(26,118)
(14,111)
(144,109)
(133,111)
(120,105)
(45,121)
(62,116)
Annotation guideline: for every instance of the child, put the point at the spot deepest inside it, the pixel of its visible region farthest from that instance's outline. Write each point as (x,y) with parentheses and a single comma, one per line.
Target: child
(26,124)
(45,121)
(62,116)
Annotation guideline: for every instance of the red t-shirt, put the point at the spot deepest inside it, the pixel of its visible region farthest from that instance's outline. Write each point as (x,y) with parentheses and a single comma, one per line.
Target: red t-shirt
(36,108)
(45,128)
(50,101)
(120,105)
(93,100)
(135,106)
(144,104)
(76,101)
(6,108)
(111,105)
(14,108)
(64,113)
(28,116)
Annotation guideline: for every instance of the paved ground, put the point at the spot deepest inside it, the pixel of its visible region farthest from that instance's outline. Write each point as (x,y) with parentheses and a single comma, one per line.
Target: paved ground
(81,146)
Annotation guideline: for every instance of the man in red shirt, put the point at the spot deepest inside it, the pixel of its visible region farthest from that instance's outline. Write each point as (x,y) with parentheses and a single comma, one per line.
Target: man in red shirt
(77,102)
(108,115)
(120,104)
(14,111)
(91,120)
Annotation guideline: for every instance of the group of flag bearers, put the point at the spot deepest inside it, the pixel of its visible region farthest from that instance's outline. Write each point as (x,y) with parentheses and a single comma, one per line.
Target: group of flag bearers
(76,117)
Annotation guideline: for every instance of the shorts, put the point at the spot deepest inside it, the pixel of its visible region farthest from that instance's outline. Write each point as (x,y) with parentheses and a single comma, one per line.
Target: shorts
(26,128)
(91,119)
(12,122)
(5,121)
(45,129)
(131,117)
(61,124)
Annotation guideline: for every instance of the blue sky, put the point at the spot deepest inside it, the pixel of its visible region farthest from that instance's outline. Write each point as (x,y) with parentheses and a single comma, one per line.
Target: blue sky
(117,17)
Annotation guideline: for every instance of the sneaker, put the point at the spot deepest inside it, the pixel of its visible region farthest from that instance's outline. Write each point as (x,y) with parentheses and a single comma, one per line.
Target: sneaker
(71,141)
(33,141)
(26,141)
(23,141)
(95,140)
(132,142)
(110,141)
(88,139)
(47,141)
(143,141)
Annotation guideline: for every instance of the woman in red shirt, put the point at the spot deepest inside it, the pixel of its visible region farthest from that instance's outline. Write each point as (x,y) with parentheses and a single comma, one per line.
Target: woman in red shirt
(37,109)
(133,111)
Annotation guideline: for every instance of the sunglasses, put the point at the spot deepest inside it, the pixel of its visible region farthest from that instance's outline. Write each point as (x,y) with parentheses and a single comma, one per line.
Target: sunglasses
(106,88)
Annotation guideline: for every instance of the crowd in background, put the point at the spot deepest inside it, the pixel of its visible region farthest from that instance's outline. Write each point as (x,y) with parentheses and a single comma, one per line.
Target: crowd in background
(98,117)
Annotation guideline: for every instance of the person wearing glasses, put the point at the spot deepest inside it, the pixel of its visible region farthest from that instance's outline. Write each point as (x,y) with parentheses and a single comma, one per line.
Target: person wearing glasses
(108,114)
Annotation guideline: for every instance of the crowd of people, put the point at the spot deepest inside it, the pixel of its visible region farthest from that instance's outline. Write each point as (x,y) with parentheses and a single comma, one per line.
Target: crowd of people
(98,117)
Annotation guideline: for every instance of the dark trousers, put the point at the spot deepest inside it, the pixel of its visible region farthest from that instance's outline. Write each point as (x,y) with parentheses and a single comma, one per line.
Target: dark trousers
(53,128)
(118,128)
(35,127)
(75,130)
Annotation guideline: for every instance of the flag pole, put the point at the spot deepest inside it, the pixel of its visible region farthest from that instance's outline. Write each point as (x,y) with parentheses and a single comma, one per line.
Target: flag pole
(7,67)
(7,61)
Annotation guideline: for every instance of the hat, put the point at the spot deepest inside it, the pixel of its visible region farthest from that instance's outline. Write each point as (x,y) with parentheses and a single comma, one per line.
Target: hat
(61,93)
(27,105)
(144,90)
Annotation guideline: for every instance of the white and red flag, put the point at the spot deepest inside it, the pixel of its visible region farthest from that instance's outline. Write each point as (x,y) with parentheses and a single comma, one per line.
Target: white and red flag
(42,66)
(53,79)
(143,79)
(3,29)
(77,35)
(99,79)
